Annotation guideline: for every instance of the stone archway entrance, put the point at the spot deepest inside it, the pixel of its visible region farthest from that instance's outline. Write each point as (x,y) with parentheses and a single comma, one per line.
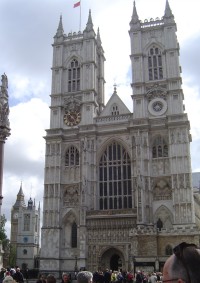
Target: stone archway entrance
(114,262)
(113,259)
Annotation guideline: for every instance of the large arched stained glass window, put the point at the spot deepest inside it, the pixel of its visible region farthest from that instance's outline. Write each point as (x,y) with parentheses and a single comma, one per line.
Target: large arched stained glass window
(115,178)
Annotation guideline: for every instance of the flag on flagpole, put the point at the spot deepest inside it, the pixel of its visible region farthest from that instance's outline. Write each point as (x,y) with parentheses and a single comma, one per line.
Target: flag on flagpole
(77,4)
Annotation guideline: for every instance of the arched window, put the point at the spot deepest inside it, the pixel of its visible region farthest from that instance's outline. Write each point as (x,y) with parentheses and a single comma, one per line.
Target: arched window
(74,76)
(168,250)
(115,190)
(74,235)
(72,157)
(25,252)
(159,148)
(155,64)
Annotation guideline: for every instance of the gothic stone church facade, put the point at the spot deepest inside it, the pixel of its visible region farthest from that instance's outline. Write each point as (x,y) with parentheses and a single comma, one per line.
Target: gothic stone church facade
(117,190)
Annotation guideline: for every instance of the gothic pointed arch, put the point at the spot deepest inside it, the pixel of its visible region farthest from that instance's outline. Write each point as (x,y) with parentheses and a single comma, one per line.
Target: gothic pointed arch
(115,191)
(69,229)
(164,216)
(112,258)
(152,43)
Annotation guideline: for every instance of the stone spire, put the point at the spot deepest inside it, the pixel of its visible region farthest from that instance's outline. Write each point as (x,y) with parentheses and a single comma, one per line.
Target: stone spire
(20,199)
(60,30)
(98,37)
(135,22)
(89,25)
(168,16)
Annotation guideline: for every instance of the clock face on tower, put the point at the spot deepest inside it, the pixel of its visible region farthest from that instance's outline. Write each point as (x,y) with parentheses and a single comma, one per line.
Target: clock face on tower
(72,118)
(157,106)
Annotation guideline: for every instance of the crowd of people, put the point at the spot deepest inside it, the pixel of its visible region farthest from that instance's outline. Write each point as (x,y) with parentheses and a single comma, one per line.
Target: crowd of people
(182,266)
(11,275)
(110,276)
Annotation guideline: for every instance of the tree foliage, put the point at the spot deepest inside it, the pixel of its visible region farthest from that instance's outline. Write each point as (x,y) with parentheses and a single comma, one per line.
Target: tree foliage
(3,235)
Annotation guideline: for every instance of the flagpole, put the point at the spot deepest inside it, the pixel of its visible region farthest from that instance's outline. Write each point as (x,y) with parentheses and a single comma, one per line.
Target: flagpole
(80,17)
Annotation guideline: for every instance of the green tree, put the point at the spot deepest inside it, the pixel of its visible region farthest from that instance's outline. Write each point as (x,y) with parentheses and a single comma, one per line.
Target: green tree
(9,250)
(3,235)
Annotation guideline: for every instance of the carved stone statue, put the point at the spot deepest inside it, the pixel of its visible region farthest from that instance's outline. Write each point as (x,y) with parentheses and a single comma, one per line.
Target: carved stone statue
(4,81)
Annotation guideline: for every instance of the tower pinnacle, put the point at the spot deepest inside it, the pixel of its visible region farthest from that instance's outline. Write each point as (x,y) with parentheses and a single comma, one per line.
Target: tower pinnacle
(89,25)
(98,37)
(60,30)
(135,22)
(168,12)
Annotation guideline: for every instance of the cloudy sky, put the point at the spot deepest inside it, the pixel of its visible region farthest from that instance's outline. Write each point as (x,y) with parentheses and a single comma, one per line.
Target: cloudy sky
(26,34)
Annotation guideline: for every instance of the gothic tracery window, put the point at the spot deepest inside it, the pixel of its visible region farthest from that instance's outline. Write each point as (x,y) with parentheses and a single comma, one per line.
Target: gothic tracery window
(159,148)
(155,64)
(115,178)
(72,157)
(74,76)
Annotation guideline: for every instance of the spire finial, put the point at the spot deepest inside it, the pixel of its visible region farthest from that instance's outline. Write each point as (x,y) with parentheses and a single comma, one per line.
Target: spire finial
(20,188)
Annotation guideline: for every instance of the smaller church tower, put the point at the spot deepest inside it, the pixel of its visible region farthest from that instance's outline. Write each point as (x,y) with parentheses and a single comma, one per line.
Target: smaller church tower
(25,231)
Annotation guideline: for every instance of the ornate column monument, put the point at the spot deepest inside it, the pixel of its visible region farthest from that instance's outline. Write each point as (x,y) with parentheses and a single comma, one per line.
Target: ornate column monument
(4,133)
(4,126)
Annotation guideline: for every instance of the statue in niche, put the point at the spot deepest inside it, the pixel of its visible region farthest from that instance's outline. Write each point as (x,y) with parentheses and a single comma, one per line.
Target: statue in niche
(84,144)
